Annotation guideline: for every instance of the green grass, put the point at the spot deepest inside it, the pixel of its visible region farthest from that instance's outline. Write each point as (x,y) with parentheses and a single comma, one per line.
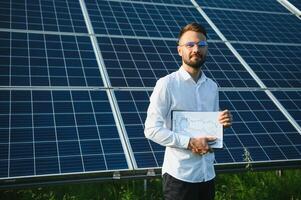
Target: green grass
(236,186)
(259,185)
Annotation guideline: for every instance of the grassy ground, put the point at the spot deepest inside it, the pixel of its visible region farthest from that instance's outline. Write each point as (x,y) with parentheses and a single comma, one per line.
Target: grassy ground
(235,186)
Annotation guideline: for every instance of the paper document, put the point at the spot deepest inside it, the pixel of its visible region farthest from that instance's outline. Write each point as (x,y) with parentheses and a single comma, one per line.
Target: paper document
(196,124)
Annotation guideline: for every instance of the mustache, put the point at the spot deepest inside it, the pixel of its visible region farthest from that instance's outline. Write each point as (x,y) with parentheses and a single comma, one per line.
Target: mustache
(197,54)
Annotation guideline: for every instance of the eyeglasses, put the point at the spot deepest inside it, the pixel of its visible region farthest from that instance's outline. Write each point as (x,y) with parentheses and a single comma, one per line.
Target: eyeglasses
(200,44)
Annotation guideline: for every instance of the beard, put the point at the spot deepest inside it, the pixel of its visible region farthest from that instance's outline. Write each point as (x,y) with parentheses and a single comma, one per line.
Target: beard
(196,64)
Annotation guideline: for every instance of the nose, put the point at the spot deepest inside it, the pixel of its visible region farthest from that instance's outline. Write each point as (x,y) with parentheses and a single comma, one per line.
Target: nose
(195,48)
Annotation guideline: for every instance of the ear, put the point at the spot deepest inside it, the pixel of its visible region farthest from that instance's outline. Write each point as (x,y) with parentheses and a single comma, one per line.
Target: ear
(179,51)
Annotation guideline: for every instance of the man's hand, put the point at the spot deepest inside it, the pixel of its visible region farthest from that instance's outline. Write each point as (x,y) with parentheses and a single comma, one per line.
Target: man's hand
(225,118)
(200,145)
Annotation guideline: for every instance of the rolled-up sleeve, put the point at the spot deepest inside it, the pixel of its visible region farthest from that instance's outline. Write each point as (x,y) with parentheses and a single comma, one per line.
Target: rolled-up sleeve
(158,110)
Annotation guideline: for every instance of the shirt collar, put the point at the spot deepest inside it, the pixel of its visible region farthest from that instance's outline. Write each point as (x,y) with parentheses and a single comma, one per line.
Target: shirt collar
(186,76)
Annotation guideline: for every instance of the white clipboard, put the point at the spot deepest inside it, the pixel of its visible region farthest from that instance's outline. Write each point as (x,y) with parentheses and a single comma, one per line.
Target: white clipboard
(196,124)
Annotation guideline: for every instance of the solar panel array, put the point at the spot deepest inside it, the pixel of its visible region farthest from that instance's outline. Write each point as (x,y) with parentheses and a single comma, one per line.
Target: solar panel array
(76,77)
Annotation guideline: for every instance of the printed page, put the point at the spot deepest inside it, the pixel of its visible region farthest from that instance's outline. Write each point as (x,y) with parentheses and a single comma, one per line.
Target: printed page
(197,124)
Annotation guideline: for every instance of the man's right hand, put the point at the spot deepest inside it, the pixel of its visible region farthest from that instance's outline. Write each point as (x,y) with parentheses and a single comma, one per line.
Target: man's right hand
(200,145)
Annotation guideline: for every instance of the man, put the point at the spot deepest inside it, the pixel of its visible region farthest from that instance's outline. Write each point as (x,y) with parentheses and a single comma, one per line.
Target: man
(188,171)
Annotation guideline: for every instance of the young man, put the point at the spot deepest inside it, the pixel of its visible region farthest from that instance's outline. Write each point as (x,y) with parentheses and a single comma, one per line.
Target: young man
(188,171)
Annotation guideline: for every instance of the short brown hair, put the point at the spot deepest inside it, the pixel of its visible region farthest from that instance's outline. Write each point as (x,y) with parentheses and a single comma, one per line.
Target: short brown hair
(192,27)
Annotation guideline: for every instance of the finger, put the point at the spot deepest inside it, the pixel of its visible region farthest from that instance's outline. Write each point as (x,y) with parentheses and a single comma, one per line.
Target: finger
(224,112)
(196,150)
(206,148)
(210,138)
(199,151)
(203,152)
(225,121)
(222,115)
(227,125)
(226,117)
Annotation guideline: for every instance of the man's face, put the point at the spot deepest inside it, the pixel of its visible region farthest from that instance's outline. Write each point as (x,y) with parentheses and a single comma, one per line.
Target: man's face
(192,56)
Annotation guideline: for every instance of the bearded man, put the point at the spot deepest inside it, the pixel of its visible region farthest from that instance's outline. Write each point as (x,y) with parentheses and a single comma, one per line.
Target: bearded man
(188,170)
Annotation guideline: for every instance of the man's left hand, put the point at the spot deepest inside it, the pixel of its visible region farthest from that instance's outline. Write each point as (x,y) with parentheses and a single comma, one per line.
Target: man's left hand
(225,118)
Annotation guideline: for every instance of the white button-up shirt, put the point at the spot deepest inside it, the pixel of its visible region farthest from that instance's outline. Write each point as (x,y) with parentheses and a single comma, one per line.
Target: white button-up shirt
(178,91)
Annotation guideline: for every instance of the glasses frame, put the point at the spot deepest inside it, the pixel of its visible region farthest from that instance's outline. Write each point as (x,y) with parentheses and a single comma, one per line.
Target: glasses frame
(190,45)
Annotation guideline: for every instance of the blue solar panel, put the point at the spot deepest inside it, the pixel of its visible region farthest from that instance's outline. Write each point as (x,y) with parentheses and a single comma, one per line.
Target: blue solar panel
(275,65)
(259,127)
(168,2)
(28,59)
(133,106)
(65,127)
(57,132)
(291,100)
(262,5)
(136,19)
(140,62)
(296,3)
(256,26)
(44,15)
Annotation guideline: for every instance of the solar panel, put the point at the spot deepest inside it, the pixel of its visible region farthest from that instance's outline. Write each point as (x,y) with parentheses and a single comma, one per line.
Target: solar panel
(133,106)
(276,65)
(28,59)
(296,3)
(256,26)
(44,15)
(57,132)
(60,118)
(146,20)
(262,5)
(141,62)
(167,2)
(259,127)
(291,100)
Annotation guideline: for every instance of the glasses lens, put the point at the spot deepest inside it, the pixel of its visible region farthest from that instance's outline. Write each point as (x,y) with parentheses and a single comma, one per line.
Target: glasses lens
(202,43)
(190,44)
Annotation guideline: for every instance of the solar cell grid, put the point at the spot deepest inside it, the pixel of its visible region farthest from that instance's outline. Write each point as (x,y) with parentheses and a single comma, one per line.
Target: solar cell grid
(57,132)
(291,100)
(45,15)
(140,62)
(262,5)
(135,19)
(259,128)
(29,59)
(133,106)
(276,65)
(168,2)
(256,27)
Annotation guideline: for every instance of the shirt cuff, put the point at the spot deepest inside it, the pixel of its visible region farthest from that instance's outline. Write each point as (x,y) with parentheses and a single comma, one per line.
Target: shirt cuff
(184,141)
